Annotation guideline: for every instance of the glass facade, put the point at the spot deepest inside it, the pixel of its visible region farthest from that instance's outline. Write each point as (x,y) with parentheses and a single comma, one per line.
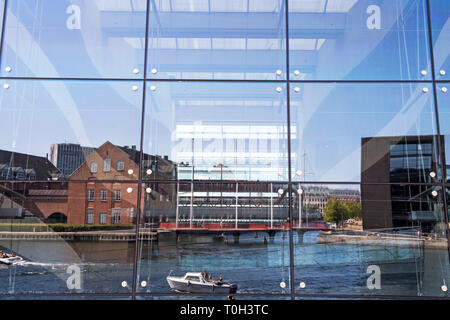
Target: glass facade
(196,149)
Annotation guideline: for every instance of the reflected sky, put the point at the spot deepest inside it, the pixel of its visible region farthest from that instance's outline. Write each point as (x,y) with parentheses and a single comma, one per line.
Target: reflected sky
(349,40)
(440,27)
(239,39)
(39,113)
(74,38)
(331,120)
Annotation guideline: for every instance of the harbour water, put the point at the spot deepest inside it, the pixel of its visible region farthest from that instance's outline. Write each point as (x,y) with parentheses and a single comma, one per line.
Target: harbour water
(256,267)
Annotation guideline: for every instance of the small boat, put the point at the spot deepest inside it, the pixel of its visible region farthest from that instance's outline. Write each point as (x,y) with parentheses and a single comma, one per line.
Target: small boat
(11,260)
(194,282)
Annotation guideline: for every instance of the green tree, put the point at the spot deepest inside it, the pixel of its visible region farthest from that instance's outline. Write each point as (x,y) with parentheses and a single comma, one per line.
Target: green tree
(352,208)
(334,211)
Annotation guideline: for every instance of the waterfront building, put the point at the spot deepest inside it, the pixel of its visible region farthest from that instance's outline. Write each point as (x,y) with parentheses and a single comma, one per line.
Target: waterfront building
(20,166)
(318,196)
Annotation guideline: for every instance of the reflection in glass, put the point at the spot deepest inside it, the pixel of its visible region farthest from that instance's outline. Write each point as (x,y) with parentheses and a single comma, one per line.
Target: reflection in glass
(216,131)
(239,231)
(50,128)
(440,27)
(377,132)
(350,40)
(238,39)
(370,240)
(76,38)
(62,241)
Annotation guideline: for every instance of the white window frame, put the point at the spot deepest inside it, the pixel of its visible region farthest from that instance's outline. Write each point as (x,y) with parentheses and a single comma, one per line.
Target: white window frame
(107,165)
(103,195)
(115,216)
(90,218)
(120,166)
(91,194)
(117,192)
(102,217)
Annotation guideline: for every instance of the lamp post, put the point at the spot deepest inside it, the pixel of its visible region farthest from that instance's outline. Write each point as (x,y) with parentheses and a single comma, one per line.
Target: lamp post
(221,166)
(300,192)
(182,164)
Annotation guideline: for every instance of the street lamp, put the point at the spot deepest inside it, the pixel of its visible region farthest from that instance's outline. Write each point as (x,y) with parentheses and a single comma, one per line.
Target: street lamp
(221,166)
(300,192)
(191,209)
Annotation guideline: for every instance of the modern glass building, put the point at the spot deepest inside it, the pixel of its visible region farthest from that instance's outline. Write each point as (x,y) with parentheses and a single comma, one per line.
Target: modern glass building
(295,148)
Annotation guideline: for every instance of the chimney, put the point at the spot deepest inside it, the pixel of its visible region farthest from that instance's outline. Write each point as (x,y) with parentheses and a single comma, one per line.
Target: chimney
(133,147)
(166,158)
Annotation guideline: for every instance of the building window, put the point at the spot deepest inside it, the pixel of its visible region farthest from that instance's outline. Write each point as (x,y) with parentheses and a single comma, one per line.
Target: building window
(103,195)
(89,218)
(102,218)
(117,195)
(91,194)
(20,174)
(93,167)
(5,173)
(120,165)
(107,165)
(115,217)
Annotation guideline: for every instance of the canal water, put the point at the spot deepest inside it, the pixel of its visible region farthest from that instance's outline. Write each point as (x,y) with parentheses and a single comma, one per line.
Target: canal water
(255,265)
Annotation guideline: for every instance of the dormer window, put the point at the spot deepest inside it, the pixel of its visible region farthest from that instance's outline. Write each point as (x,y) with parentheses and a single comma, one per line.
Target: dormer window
(120,165)
(19,173)
(30,174)
(93,167)
(107,165)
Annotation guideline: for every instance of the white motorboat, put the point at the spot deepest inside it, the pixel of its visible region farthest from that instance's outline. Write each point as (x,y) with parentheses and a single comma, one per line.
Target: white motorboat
(194,282)
(11,260)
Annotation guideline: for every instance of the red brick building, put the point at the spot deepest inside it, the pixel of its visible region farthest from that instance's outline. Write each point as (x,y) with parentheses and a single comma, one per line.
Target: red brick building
(110,196)
(102,190)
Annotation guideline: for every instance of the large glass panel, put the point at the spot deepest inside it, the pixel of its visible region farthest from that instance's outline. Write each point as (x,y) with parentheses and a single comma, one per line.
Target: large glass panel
(215,39)
(368,132)
(443,98)
(66,238)
(440,27)
(239,231)
(74,38)
(358,40)
(215,131)
(385,240)
(51,128)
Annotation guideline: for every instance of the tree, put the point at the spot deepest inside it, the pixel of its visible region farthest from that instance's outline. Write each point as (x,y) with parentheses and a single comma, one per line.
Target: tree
(334,211)
(352,208)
